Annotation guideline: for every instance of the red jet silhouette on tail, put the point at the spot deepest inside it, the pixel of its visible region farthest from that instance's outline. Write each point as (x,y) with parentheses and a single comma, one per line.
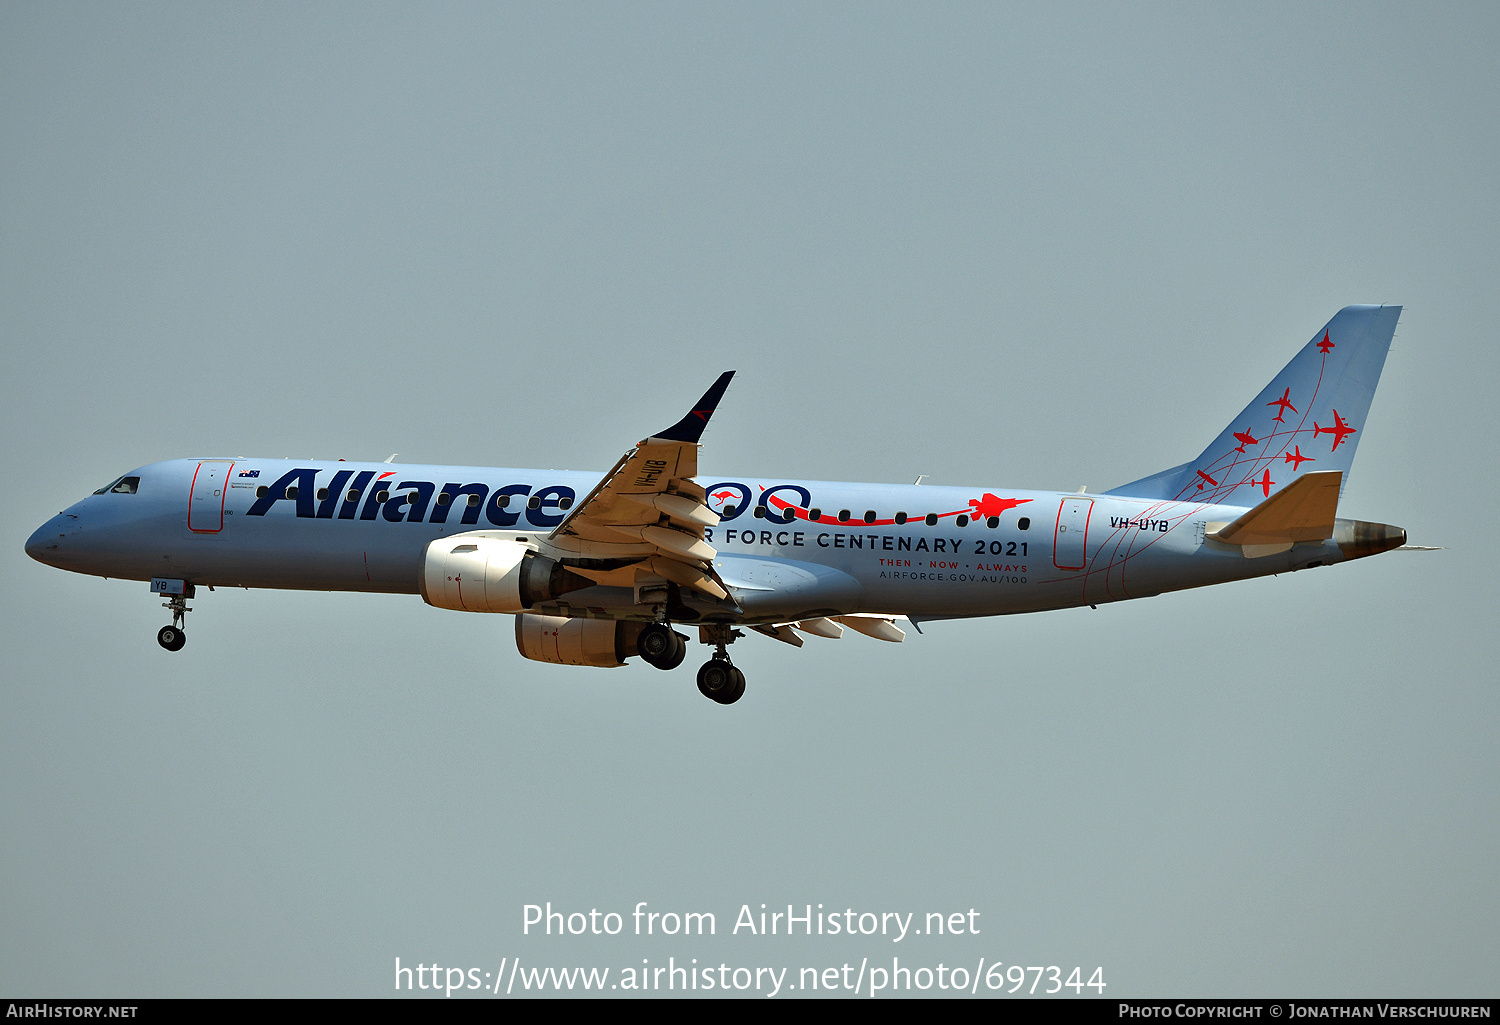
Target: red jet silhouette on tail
(1298,459)
(1284,405)
(1325,345)
(1338,430)
(1207,478)
(1244,439)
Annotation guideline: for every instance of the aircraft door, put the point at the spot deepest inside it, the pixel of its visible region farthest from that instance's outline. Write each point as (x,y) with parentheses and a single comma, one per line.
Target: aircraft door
(206,502)
(1070,542)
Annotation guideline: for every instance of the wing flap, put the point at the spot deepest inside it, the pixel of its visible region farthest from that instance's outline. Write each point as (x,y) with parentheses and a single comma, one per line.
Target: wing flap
(780,633)
(882,628)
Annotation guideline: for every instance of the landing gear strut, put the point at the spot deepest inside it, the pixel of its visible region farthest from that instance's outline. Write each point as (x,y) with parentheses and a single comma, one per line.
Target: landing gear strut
(718,678)
(171,637)
(661,646)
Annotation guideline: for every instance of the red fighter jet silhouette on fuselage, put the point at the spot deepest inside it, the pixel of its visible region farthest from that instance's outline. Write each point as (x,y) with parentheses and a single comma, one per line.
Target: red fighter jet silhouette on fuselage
(1298,459)
(993,505)
(1283,405)
(1244,439)
(1338,430)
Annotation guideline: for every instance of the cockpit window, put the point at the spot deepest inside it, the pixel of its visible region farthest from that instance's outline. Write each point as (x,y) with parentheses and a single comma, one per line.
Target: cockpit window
(123,486)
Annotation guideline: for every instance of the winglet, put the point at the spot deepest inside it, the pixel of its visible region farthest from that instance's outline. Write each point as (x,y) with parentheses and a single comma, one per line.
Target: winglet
(690,428)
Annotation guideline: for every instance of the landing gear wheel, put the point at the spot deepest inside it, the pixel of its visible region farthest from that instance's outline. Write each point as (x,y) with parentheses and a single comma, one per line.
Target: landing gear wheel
(171,637)
(659,646)
(738,692)
(678,653)
(719,681)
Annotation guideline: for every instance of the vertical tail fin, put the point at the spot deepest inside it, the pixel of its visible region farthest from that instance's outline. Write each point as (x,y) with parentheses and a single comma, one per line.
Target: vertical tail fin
(1307,419)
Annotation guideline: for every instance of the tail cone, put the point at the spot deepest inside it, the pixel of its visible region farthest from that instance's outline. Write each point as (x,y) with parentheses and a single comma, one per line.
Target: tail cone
(1359,538)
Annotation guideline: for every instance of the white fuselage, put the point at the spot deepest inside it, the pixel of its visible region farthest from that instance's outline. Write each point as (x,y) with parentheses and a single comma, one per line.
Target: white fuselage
(784,548)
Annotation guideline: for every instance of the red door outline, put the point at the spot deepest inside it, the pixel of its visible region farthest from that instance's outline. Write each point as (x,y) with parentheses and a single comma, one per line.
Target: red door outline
(1064,545)
(209,506)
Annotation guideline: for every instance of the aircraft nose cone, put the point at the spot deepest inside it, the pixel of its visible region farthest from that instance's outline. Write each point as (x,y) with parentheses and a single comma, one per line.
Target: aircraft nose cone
(42,545)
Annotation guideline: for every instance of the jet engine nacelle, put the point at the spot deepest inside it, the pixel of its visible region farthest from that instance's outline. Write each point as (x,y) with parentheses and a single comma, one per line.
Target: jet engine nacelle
(577,642)
(490,574)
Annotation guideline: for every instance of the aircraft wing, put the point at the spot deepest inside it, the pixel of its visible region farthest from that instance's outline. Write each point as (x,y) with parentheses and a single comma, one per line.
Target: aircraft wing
(646,517)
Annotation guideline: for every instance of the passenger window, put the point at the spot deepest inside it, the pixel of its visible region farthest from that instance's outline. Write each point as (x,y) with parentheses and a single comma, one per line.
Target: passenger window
(1024,523)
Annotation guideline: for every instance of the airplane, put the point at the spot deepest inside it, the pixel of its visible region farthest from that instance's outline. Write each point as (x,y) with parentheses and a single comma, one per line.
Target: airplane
(1244,438)
(1296,458)
(1338,430)
(1282,404)
(598,569)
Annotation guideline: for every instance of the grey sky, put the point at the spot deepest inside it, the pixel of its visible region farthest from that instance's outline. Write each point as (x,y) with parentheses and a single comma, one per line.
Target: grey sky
(1000,245)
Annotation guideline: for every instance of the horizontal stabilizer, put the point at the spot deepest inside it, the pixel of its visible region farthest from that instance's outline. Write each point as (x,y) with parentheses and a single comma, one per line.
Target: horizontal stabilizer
(1304,510)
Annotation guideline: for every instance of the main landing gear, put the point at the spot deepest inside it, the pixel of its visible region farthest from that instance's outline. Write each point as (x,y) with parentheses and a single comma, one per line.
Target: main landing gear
(661,646)
(171,637)
(718,678)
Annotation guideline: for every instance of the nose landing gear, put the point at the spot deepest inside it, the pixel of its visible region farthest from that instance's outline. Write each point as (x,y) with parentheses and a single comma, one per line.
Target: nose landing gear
(172,637)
